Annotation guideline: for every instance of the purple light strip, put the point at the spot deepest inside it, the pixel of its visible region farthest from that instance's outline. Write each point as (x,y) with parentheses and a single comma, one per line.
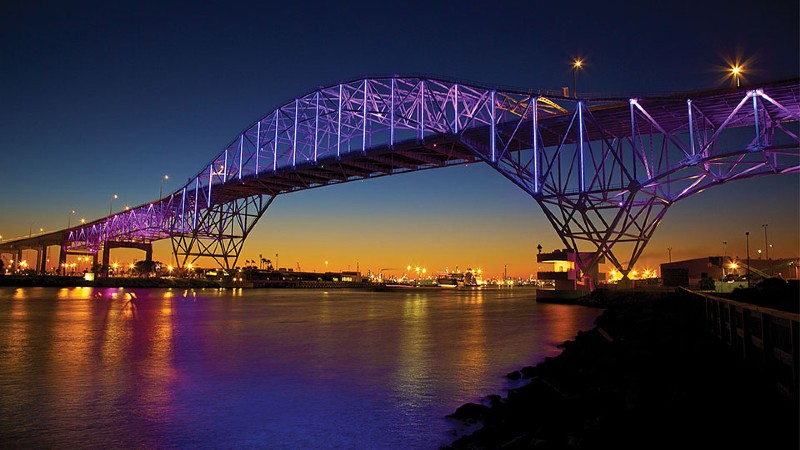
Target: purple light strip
(420,114)
(210,182)
(455,109)
(241,152)
(535,116)
(316,126)
(756,119)
(339,127)
(275,145)
(391,118)
(364,127)
(258,144)
(196,201)
(691,125)
(580,127)
(493,143)
(294,139)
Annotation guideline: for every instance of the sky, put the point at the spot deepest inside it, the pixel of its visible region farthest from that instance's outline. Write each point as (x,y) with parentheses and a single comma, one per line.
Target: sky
(102,98)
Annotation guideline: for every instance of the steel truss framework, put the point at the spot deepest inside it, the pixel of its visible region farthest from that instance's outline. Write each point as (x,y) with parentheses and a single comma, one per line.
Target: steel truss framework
(604,171)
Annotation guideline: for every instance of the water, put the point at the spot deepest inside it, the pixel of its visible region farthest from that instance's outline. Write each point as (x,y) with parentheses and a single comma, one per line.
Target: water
(158,368)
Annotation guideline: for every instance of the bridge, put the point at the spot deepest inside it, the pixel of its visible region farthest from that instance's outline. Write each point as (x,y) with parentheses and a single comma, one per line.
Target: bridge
(604,170)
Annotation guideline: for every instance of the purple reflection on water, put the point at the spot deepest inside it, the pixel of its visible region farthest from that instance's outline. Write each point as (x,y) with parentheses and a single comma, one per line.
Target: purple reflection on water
(259,368)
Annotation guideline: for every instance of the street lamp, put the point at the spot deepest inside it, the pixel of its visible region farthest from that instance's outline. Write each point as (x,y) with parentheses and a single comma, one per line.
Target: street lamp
(69,219)
(724,255)
(111,203)
(577,64)
(161,185)
(736,73)
(766,242)
(747,237)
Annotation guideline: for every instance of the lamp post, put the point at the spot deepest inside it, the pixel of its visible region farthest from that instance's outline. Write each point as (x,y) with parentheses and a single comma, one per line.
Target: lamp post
(69,219)
(736,72)
(576,65)
(747,237)
(111,203)
(161,185)
(669,249)
(724,255)
(766,242)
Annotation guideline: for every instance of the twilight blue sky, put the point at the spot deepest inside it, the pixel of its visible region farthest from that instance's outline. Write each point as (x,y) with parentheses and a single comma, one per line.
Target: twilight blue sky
(98,98)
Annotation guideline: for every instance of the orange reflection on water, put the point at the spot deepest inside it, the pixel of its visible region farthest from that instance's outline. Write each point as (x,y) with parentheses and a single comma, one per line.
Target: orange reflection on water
(75,293)
(473,362)
(414,371)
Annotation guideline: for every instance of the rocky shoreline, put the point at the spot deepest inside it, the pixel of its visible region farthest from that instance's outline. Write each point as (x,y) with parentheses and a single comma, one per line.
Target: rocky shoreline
(647,376)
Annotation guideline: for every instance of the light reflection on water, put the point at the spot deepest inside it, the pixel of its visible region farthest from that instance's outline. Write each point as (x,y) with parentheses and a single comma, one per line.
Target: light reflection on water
(259,368)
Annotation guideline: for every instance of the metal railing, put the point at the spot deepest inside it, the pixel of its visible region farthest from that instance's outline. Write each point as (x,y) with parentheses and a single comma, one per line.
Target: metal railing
(764,337)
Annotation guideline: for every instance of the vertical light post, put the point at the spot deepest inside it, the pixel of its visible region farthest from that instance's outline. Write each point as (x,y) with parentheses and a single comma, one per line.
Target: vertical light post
(576,65)
(161,186)
(736,73)
(766,241)
(669,249)
(747,237)
(69,219)
(724,255)
(111,203)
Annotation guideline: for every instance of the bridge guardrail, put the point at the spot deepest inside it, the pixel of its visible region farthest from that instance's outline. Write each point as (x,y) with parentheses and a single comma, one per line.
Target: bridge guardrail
(764,337)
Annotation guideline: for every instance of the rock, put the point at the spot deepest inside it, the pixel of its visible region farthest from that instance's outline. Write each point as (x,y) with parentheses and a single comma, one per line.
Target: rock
(470,413)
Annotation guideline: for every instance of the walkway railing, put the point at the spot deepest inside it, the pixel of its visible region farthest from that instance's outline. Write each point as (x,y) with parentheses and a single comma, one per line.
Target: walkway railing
(764,337)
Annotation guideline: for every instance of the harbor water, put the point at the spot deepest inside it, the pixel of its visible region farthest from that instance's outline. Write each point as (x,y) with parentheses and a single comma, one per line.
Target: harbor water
(260,368)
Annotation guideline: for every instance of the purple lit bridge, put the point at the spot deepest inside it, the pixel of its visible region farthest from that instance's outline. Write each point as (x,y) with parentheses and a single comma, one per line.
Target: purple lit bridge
(604,170)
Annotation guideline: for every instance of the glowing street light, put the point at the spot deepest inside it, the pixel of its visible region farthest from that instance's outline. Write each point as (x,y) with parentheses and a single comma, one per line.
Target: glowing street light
(111,203)
(161,186)
(69,218)
(736,73)
(577,64)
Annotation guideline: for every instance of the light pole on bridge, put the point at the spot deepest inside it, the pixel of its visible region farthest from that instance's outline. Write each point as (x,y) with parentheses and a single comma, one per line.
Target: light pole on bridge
(736,72)
(766,242)
(577,64)
(111,203)
(69,218)
(161,185)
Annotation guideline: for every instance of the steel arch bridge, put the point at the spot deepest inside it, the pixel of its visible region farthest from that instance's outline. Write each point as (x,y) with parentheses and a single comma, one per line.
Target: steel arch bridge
(604,170)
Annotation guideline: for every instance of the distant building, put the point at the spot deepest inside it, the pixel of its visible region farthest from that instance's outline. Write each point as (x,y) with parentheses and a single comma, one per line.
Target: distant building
(689,272)
(565,274)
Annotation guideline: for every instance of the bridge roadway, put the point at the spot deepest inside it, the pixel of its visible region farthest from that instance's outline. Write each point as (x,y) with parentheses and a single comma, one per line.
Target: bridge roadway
(632,157)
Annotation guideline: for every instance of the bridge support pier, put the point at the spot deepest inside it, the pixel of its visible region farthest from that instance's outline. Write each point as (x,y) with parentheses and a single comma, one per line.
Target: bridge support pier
(62,259)
(147,247)
(41,267)
(219,232)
